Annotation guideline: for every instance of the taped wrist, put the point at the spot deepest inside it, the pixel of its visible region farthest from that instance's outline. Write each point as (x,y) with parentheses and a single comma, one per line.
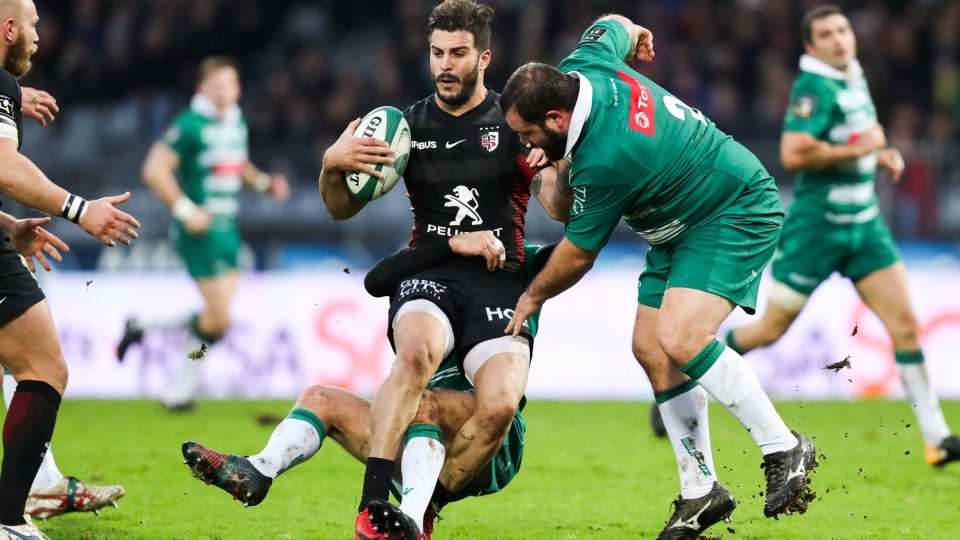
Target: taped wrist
(74,208)
(184,208)
(262,182)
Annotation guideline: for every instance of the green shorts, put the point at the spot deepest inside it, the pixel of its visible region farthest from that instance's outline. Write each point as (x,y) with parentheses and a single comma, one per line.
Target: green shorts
(208,255)
(723,256)
(812,248)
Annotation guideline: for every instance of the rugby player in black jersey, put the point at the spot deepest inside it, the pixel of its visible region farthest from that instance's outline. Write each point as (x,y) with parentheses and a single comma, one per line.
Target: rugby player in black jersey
(29,346)
(467,172)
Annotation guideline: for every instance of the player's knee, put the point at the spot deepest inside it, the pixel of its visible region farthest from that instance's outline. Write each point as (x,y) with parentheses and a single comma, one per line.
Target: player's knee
(314,397)
(903,330)
(771,332)
(679,346)
(495,419)
(414,362)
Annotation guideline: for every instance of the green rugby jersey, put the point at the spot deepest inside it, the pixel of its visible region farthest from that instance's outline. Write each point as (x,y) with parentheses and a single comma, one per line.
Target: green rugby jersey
(638,152)
(834,106)
(212,152)
(448,374)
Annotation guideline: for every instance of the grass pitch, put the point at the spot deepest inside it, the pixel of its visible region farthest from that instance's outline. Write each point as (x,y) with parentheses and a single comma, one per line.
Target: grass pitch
(591,470)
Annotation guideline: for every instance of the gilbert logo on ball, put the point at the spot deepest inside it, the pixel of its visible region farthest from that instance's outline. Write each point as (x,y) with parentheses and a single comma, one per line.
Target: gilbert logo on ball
(386,124)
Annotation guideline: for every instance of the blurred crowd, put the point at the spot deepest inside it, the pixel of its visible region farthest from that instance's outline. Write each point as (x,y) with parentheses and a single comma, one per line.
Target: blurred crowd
(310,66)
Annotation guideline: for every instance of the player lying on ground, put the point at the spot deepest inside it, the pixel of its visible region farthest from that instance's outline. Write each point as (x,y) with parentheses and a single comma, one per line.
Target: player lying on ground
(323,411)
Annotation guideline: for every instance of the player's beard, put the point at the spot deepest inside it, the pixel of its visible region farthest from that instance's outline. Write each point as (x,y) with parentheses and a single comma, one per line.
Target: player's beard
(18,57)
(467,85)
(555,146)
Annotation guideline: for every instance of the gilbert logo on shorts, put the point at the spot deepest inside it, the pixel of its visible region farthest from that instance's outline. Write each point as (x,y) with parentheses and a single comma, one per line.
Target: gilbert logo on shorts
(464,199)
(422,286)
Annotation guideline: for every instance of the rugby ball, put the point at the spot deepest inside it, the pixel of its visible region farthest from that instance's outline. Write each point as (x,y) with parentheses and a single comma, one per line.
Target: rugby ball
(386,124)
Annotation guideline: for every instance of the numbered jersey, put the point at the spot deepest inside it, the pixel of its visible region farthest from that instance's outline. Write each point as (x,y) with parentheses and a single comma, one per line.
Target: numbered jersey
(639,152)
(212,152)
(835,107)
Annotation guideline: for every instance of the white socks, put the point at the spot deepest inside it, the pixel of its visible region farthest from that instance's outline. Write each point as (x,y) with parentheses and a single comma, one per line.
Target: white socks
(296,439)
(184,386)
(728,378)
(925,403)
(685,417)
(420,464)
(48,475)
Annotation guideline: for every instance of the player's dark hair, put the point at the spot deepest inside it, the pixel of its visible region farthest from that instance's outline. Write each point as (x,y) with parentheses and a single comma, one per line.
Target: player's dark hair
(819,12)
(536,88)
(213,63)
(453,15)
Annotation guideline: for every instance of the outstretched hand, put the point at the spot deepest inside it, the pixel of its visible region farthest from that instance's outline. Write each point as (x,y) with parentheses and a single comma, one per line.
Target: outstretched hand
(38,105)
(32,241)
(106,223)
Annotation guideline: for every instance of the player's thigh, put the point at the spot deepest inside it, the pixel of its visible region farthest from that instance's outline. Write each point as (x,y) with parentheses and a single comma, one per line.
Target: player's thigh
(501,378)
(810,249)
(346,417)
(30,347)
(887,294)
(423,315)
(446,408)
(218,291)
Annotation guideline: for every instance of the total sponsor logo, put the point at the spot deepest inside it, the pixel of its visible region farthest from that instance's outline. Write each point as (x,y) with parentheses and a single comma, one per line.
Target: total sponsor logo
(423,286)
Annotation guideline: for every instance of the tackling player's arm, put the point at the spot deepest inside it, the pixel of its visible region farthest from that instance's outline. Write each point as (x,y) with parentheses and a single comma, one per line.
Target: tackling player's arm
(551,186)
(800,150)
(566,266)
(159,174)
(275,185)
(384,277)
(350,154)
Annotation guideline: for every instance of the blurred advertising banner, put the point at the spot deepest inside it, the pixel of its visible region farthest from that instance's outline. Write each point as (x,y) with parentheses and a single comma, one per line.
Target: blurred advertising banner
(295,329)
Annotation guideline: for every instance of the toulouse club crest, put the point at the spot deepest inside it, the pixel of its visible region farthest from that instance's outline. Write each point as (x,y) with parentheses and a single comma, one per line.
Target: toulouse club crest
(490,140)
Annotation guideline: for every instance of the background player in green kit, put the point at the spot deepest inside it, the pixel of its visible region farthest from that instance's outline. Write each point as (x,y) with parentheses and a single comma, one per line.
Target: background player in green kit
(207,145)
(323,411)
(712,216)
(832,138)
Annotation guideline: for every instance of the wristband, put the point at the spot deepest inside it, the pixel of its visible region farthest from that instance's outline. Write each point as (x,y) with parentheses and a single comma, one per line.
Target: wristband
(74,208)
(184,209)
(262,182)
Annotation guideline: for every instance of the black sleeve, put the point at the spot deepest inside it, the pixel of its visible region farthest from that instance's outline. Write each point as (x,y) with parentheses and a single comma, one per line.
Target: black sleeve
(9,99)
(387,274)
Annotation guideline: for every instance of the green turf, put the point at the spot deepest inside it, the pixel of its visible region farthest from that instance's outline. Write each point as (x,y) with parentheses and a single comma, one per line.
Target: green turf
(591,470)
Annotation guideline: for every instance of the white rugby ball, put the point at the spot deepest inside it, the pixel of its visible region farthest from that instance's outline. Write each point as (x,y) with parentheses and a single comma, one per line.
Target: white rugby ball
(386,124)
